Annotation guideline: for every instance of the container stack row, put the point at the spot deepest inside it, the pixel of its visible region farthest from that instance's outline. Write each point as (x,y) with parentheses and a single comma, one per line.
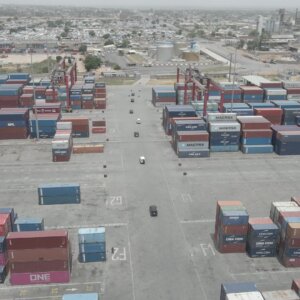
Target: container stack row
(68,193)
(44,123)
(231,227)
(85,296)
(80,126)
(39,257)
(92,244)
(163,95)
(62,142)
(10,95)
(99,126)
(224,132)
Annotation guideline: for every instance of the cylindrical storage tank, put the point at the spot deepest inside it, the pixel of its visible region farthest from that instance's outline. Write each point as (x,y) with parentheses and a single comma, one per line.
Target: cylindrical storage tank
(165,52)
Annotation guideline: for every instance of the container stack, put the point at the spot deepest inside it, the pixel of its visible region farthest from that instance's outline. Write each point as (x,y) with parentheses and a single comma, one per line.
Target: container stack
(18,78)
(241,109)
(10,95)
(59,193)
(89,79)
(163,95)
(14,123)
(261,105)
(231,227)
(275,94)
(176,111)
(3,78)
(256,135)
(252,94)
(92,244)
(27,99)
(62,143)
(293,89)
(47,108)
(62,95)
(231,92)
(291,110)
(100,95)
(87,296)
(46,124)
(263,237)
(51,95)
(76,96)
(240,291)
(39,257)
(40,92)
(199,107)
(224,132)
(274,114)
(88,96)
(28,224)
(80,126)
(278,208)
(286,140)
(99,126)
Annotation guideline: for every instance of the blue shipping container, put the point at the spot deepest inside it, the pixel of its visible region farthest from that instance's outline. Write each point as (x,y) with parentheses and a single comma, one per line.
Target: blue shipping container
(92,247)
(256,149)
(2,244)
(91,235)
(234,217)
(261,252)
(88,296)
(264,230)
(28,224)
(64,199)
(92,257)
(229,148)
(57,189)
(11,212)
(256,141)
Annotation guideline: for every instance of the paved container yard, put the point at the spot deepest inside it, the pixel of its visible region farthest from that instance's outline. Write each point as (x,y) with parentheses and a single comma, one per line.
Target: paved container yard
(171,256)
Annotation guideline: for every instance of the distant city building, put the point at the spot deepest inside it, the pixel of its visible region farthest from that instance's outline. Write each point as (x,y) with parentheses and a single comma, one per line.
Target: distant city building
(270,25)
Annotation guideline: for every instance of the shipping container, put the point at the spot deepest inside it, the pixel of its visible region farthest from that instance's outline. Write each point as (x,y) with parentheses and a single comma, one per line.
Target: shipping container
(88,296)
(280,295)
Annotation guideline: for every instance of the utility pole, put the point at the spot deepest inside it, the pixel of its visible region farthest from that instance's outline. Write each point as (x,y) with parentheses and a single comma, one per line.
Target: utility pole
(233,78)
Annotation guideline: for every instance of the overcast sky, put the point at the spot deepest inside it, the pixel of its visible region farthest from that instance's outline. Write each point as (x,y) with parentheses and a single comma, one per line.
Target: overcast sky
(165,3)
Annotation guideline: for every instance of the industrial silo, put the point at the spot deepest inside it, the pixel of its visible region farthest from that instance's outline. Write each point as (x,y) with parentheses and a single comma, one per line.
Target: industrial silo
(165,51)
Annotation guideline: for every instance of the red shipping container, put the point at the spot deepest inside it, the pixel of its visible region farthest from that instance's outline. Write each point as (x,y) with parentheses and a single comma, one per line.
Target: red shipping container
(267,133)
(227,203)
(286,214)
(189,136)
(13,133)
(60,158)
(8,104)
(37,239)
(289,262)
(99,130)
(100,95)
(264,220)
(47,108)
(296,199)
(39,254)
(99,123)
(76,121)
(39,266)
(28,89)
(87,104)
(234,229)
(255,122)
(296,286)
(293,91)
(39,278)
(293,242)
(100,104)
(5,225)
(274,84)
(3,258)
(232,248)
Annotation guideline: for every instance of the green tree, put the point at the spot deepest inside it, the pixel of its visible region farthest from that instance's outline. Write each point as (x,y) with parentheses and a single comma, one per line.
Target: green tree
(106,36)
(92,62)
(58,58)
(121,53)
(82,48)
(179,32)
(116,67)
(108,42)
(253,33)
(92,33)
(125,44)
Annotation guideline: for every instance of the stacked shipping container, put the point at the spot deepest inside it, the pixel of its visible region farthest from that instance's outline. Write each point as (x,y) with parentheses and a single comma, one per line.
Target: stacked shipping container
(39,257)
(87,296)
(59,193)
(256,135)
(100,95)
(80,126)
(240,291)
(231,227)
(163,95)
(92,244)
(10,95)
(28,224)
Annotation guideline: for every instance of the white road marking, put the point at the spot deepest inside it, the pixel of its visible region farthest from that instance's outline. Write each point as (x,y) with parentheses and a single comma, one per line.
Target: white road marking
(183,234)
(207,247)
(197,221)
(118,255)
(87,226)
(265,272)
(186,198)
(131,265)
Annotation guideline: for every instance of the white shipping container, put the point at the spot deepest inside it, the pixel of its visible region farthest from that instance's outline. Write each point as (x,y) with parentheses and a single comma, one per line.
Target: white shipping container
(280,295)
(284,209)
(221,117)
(291,84)
(275,92)
(62,136)
(64,125)
(293,96)
(276,204)
(62,144)
(245,296)
(184,145)
(225,127)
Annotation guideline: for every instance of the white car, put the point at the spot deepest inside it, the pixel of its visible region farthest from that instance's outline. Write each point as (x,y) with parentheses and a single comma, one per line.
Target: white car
(142,160)
(138,121)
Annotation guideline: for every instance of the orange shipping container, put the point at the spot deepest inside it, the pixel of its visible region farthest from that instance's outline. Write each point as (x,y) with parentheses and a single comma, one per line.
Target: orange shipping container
(88,148)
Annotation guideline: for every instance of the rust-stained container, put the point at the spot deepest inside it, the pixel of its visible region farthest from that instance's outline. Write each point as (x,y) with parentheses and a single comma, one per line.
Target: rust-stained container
(267,133)
(99,123)
(39,266)
(38,254)
(37,239)
(296,286)
(295,243)
(254,122)
(232,248)
(60,158)
(293,230)
(263,220)
(87,104)
(291,262)
(99,104)
(13,133)
(234,229)
(99,129)
(88,148)
(40,278)
(5,225)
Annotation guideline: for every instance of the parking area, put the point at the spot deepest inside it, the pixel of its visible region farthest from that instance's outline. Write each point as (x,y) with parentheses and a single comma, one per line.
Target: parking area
(171,256)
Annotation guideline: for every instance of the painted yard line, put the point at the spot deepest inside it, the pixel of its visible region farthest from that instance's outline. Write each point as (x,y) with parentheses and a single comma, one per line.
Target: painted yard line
(49,285)
(130,262)
(43,297)
(265,272)
(183,234)
(87,226)
(197,221)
